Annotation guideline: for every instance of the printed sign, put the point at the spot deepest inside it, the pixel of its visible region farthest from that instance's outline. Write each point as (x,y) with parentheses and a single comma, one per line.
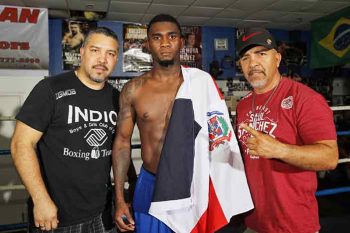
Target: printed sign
(24,41)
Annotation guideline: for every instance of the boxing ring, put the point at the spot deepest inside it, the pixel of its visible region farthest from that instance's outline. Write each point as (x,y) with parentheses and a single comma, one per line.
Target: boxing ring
(320,193)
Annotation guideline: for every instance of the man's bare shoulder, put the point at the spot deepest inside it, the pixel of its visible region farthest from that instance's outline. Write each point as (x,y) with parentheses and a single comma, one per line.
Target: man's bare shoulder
(134,85)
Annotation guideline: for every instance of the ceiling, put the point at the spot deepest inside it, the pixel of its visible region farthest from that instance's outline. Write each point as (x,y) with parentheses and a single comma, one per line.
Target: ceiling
(279,14)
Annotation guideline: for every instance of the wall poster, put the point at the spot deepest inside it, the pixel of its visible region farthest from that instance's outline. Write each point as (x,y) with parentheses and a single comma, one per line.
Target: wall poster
(73,34)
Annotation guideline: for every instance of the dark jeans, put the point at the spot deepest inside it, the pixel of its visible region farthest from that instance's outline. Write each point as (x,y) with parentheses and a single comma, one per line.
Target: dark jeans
(94,225)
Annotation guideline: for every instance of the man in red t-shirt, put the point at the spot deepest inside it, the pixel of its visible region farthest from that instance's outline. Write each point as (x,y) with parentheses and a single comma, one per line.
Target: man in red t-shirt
(286,133)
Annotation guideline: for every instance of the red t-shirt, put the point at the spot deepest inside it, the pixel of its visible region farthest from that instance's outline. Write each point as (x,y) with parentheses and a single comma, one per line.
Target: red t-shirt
(284,195)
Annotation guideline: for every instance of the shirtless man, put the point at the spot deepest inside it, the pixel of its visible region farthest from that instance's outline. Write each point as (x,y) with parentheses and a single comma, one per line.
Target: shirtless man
(74,38)
(147,101)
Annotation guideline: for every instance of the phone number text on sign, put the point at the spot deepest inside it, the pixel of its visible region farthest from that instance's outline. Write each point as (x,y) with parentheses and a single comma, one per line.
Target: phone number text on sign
(19,60)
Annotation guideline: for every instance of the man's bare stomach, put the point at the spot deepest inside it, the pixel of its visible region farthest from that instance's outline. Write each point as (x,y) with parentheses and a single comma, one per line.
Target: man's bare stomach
(152,139)
(150,159)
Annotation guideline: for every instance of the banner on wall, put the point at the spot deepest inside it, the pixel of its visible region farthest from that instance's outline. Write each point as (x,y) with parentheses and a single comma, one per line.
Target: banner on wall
(24,41)
(73,34)
(331,40)
(136,57)
(191,53)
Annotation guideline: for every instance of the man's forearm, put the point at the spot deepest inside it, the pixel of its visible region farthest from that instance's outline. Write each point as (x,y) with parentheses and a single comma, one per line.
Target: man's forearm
(121,163)
(27,165)
(319,156)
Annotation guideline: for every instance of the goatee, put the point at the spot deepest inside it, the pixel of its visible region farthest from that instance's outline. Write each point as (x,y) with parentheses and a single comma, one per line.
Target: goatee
(97,80)
(166,63)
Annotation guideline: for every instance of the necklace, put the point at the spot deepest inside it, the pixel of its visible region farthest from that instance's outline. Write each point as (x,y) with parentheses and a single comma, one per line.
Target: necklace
(263,107)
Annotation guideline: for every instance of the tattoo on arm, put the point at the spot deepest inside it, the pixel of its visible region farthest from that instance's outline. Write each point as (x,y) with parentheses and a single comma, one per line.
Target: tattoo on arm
(126,98)
(122,144)
(122,162)
(125,102)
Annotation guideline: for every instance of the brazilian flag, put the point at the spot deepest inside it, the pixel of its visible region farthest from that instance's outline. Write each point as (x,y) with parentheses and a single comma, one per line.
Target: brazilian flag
(331,40)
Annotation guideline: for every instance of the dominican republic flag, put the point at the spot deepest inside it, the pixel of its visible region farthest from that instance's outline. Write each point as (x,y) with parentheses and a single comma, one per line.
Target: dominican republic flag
(200,182)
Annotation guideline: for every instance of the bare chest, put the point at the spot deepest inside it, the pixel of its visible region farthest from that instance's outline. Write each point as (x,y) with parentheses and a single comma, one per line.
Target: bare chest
(155,104)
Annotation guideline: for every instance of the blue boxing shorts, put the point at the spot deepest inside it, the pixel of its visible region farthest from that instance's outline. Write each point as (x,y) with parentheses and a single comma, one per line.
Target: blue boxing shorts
(144,222)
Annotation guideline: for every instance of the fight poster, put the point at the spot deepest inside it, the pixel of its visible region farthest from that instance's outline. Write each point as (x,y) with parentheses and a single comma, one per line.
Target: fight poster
(24,39)
(191,54)
(73,34)
(136,57)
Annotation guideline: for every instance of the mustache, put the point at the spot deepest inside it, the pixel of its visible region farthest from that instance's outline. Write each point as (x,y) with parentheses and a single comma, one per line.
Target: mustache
(103,66)
(252,71)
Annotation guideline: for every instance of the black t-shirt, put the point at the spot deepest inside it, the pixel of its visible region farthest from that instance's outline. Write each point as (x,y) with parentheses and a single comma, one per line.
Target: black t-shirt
(78,126)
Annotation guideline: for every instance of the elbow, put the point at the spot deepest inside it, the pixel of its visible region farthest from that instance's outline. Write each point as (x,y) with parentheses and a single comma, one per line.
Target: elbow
(333,161)
(333,164)
(330,155)
(13,147)
(17,147)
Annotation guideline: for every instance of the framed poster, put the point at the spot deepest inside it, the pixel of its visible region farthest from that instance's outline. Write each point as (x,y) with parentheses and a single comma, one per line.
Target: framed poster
(221,44)
(191,53)
(136,57)
(73,35)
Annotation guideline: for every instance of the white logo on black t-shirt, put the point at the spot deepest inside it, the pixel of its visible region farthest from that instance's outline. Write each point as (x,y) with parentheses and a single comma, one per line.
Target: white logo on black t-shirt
(96,138)
(77,114)
(61,94)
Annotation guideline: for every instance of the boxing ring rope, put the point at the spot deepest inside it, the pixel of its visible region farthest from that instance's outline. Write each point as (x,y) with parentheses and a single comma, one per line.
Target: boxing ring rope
(343,133)
(334,108)
(319,193)
(5,152)
(137,146)
(13,227)
(344,160)
(7,118)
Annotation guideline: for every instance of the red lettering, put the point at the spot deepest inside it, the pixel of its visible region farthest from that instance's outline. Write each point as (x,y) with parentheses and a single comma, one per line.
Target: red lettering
(26,15)
(4,45)
(13,45)
(31,17)
(25,46)
(10,14)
